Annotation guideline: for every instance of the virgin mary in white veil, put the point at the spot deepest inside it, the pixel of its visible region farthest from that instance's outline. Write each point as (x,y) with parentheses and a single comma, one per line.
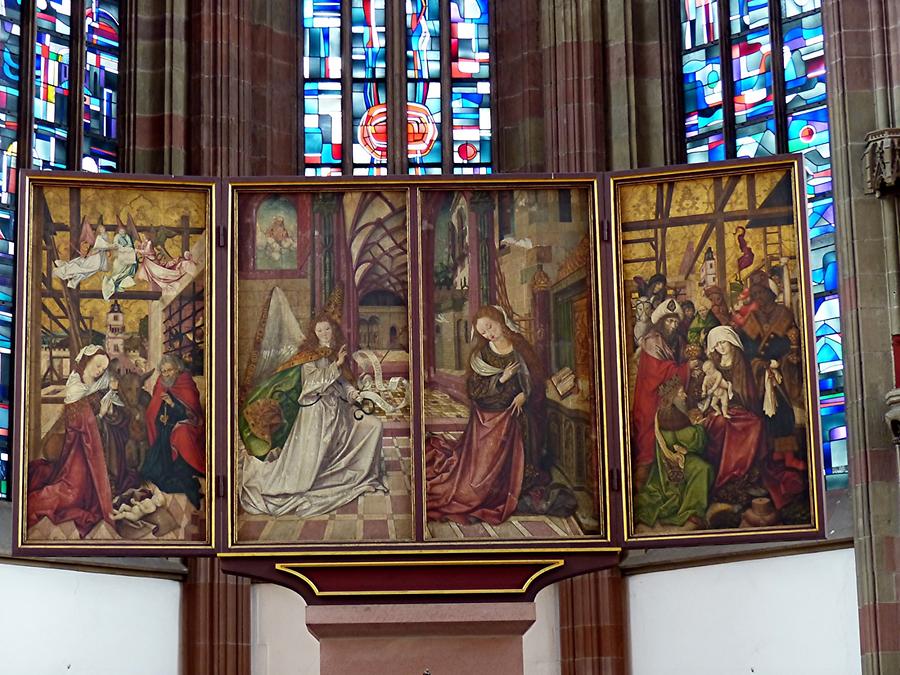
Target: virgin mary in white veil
(310,449)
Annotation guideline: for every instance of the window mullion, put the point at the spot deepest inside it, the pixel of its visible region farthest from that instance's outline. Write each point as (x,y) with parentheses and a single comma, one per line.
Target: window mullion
(77,61)
(446,91)
(396,86)
(26,86)
(346,89)
(725,55)
(779,95)
(301,90)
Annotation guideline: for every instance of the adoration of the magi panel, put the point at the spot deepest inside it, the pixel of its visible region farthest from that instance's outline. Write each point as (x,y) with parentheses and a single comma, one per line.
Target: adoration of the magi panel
(117,375)
(511,374)
(715,353)
(322,432)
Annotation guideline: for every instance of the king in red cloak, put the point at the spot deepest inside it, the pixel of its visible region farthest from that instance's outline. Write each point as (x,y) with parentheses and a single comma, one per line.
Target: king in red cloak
(176,431)
(661,359)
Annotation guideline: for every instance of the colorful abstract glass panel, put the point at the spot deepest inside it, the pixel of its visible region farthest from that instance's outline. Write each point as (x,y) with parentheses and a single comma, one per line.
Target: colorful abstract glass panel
(792,8)
(702,76)
(423,124)
(699,22)
(101,85)
(322,94)
(756,140)
(10,45)
(804,62)
(808,133)
(708,149)
(369,93)
(322,39)
(471,108)
(752,67)
(368,41)
(469,43)
(423,70)
(322,121)
(748,15)
(423,39)
(51,84)
(370,126)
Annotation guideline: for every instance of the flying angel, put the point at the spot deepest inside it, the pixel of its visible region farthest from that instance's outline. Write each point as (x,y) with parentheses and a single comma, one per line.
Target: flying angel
(94,248)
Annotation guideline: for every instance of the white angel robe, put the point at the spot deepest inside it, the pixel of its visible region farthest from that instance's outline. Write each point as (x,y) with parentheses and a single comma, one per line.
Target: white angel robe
(329,458)
(124,266)
(76,270)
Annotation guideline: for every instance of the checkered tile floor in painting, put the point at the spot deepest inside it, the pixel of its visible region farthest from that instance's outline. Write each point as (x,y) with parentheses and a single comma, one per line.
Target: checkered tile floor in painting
(188,519)
(371,517)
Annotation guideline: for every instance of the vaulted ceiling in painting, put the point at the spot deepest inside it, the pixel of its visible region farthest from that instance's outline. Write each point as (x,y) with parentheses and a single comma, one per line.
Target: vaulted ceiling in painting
(378,243)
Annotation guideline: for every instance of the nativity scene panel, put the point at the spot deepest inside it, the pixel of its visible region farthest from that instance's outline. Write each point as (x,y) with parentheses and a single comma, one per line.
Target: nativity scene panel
(321,438)
(117,383)
(512,429)
(719,432)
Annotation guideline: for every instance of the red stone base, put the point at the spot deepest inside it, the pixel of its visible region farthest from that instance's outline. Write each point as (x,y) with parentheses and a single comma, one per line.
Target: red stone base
(476,639)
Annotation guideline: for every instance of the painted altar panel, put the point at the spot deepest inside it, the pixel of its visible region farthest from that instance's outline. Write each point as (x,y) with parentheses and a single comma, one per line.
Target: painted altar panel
(720,434)
(320,432)
(511,351)
(114,385)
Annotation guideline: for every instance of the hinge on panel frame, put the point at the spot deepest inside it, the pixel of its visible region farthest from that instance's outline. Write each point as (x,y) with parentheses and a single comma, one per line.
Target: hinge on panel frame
(221,238)
(220,485)
(604,229)
(615,480)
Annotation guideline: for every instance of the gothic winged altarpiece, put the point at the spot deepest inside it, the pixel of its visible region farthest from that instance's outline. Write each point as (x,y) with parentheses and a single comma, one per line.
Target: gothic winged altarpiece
(402,387)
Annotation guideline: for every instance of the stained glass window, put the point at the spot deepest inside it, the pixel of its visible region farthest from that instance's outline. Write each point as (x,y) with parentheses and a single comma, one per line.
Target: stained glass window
(101,85)
(770,97)
(419,65)
(61,125)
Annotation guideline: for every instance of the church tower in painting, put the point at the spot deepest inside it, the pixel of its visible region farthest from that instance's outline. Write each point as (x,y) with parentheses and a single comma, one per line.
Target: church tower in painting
(115,331)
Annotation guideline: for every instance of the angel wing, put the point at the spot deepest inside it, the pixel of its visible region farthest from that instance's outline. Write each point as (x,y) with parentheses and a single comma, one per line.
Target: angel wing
(280,337)
(87,235)
(130,228)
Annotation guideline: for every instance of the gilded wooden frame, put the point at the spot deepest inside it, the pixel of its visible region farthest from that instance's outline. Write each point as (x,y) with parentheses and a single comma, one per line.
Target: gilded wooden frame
(205,193)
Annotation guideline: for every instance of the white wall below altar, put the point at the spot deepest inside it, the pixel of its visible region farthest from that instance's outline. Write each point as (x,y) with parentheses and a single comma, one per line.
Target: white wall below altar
(775,616)
(56,621)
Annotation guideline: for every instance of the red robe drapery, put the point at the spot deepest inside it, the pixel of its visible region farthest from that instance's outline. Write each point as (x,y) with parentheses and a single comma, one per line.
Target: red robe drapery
(189,436)
(479,476)
(76,486)
(655,365)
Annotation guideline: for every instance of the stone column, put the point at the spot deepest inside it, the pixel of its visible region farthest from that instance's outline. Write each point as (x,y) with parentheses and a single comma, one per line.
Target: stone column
(593,628)
(472,638)
(153,113)
(863,52)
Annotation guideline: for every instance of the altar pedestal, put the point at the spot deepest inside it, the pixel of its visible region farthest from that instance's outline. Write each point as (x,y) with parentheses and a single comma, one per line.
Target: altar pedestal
(469,639)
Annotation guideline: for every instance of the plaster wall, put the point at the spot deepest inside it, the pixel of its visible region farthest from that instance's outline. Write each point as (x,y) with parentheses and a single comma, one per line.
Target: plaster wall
(776,616)
(82,623)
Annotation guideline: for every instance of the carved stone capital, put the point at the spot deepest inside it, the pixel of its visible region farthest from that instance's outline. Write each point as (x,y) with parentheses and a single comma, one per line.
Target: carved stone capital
(892,415)
(881,161)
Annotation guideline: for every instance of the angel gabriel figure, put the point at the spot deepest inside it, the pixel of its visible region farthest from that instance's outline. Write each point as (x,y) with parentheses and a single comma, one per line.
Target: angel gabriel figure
(309,450)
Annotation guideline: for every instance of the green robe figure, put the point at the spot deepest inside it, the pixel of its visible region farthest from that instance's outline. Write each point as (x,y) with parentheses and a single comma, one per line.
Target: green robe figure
(677,489)
(703,322)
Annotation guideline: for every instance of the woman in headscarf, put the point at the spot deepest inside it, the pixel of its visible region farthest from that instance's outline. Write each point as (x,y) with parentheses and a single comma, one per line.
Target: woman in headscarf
(737,442)
(76,487)
(480,475)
